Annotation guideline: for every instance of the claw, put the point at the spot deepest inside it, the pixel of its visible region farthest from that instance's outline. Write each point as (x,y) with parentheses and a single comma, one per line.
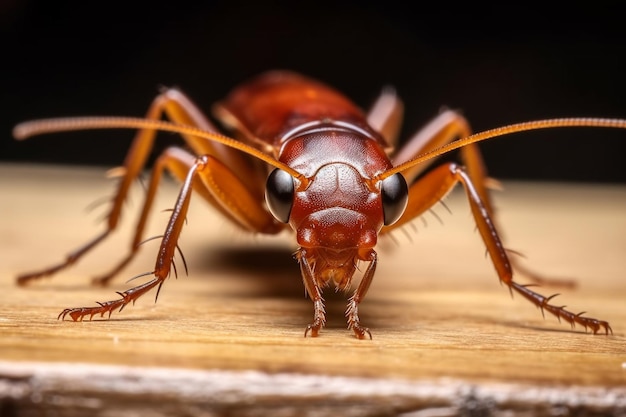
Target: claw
(360,332)
(314,329)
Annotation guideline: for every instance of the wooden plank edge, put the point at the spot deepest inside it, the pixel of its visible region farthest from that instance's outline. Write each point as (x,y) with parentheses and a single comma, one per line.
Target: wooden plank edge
(71,389)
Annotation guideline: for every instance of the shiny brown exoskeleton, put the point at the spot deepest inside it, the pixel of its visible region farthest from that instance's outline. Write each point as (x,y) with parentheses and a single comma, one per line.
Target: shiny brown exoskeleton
(305,157)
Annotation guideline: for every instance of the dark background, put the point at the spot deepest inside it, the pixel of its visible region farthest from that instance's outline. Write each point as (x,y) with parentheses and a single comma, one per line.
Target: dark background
(499,65)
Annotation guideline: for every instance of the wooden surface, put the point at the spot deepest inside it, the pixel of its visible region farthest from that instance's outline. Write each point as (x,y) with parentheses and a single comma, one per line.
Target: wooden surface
(447,338)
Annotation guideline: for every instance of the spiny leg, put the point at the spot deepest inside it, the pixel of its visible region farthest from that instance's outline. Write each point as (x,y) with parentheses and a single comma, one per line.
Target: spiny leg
(213,181)
(429,189)
(352,312)
(501,262)
(314,292)
(177,162)
(164,260)
(478,174)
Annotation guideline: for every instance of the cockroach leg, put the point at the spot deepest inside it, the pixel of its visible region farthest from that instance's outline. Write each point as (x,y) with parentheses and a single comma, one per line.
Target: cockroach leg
(24,279)
(319,319)
(313,290)
(164,260)
(385,115)
(209,178)
(107,307)
(177,162)
(500,259)
(434,185)
(352,312)
(542,303)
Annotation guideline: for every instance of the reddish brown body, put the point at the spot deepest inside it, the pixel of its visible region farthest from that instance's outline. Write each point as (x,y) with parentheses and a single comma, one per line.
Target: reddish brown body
(322,135)
(337,217)
(336,181)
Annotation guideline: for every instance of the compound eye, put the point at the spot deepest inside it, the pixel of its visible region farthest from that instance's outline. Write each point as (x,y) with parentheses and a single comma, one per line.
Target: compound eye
(395,196)
(279,193)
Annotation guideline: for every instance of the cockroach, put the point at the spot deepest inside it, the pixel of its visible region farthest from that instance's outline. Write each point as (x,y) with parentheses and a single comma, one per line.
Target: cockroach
(305,157)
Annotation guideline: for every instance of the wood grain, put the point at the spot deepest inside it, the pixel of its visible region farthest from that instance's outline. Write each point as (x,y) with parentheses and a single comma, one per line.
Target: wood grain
(445,333)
